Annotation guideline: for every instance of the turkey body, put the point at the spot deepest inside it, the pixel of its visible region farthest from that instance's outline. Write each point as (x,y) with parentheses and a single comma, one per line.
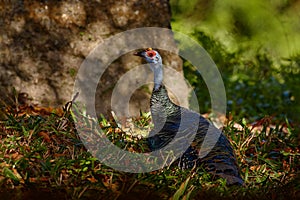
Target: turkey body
(171,120)
(220,161)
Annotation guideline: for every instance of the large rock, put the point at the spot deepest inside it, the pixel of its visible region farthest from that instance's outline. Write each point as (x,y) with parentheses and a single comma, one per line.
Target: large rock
(43,43)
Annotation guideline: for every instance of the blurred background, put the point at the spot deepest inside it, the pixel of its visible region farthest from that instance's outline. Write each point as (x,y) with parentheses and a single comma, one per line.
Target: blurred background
(255,44)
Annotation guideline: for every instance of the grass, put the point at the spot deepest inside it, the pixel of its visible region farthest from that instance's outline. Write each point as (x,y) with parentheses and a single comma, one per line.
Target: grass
(42,154)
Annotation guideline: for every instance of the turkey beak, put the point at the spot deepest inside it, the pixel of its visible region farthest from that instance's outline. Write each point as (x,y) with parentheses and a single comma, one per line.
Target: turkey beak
(140,53)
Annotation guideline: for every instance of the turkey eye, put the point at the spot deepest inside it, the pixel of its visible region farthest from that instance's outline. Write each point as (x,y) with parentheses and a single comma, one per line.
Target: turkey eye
(151,54)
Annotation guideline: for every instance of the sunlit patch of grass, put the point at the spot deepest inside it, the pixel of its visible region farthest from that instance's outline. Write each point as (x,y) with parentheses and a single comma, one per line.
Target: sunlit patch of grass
(264,152)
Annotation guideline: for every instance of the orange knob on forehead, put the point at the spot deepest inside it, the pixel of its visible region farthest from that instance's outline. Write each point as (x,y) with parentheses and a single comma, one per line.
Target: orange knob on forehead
(149,49)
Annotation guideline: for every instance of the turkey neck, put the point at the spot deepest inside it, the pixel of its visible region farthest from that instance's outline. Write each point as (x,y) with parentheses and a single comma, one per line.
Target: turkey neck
(160,103)
(158,74)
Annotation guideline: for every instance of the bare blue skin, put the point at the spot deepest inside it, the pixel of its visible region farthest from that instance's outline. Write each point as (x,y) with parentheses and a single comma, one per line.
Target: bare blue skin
(155,61)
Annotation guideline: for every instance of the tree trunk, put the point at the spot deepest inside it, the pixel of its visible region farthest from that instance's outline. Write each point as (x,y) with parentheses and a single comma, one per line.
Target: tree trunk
(43,43)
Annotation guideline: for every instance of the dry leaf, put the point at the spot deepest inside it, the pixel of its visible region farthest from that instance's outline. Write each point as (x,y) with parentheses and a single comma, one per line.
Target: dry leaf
(45,135)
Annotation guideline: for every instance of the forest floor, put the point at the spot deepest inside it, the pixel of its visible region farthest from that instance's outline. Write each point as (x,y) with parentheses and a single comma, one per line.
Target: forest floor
(42,156)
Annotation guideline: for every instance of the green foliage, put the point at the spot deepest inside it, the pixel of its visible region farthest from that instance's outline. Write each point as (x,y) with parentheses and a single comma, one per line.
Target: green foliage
(255,44)
(270,25)
(254,88)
